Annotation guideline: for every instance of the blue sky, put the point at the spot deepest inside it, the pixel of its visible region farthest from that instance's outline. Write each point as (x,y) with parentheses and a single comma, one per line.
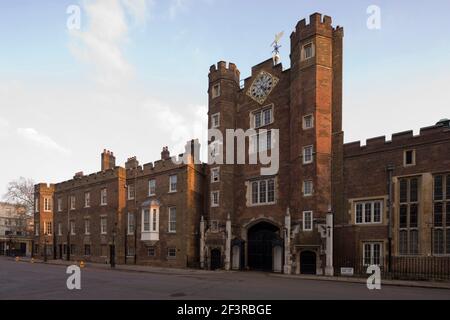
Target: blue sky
(62,102)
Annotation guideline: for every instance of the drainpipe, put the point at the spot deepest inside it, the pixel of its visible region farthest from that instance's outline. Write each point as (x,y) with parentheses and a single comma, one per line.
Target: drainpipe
(228,244)
(202,243)
(390,170)
(287,242)
(329,269)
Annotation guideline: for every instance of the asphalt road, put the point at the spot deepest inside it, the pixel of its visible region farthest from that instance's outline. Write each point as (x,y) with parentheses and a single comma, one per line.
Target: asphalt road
(21,280)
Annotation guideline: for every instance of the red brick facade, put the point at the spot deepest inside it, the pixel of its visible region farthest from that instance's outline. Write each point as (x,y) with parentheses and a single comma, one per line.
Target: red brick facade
(328,199)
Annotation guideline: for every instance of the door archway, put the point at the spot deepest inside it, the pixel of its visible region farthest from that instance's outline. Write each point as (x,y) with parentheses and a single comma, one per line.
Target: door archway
(261,238)
(308,262)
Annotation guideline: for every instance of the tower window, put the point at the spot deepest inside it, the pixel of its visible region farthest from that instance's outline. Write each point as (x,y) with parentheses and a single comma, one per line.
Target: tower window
(216,91)
(307,221)
(409,158)
(308,155)
(307,188)
(308,122)
(215,199)
(307,51)
(215,175)
(215,120)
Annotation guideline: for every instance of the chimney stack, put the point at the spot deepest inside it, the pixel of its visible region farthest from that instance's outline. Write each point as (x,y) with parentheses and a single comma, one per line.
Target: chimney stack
(108,160)
(165,154)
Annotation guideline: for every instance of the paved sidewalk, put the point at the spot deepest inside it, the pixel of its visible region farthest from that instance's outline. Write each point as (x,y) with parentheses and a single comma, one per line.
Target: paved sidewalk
(399,283)
(178,271)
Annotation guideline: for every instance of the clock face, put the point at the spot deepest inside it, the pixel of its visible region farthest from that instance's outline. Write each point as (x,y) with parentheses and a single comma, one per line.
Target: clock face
(262,87)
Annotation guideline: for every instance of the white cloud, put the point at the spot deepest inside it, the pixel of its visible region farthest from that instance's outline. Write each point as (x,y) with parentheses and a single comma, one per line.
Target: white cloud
(41,140)
(178,6)
(101,44)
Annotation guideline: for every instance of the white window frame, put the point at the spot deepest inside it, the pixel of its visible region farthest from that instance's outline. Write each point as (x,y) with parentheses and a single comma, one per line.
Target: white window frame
(171,221)
(87,199)
(310,220)
(261,182)
(305,127)
(171,256)
(303,52)
(36,228)
(216,91)
(131,223)
(263,121)
(48,225)
(413,158)
(305,183)
(36,204)
(146,213)
(372,212)
(47,204)
(104,197)
(103,225)
(59,204)
(372,253)
(152,185)
(131,192)
(59,229)
(305,161)
(87,227)
(214,204)
(215,173)
(72,228)
(171,190)
(213,124)
(73,203)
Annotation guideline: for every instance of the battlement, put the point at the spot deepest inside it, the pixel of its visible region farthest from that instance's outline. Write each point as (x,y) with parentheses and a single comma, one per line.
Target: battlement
(318,24)
(44,187)
(93,178)
(165,164)
(224,71)
(403,139)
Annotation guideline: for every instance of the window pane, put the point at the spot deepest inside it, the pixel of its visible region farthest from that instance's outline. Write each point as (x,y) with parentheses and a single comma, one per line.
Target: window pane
(447,216)
(448,188)
(271,191)
(413,213)
(438,214)
(413,190)
(438,188)
(376,254)
(146,220)
(367,254)
(414,242)
(377,212)
(403,191)
(368,212)
(448,242)
(154,220)
(262,191)
(254,192)
(257,117)
(403,216)
(267,116)
(403,242)
(438,242)
(359,208)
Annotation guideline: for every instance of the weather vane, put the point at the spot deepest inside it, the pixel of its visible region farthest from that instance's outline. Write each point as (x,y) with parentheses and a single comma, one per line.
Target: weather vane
(276,48)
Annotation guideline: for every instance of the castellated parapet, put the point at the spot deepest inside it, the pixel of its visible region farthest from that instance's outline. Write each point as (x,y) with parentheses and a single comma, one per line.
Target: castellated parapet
(403,140)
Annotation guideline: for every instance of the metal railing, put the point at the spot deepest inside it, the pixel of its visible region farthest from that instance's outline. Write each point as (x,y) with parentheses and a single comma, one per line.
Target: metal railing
(401,268)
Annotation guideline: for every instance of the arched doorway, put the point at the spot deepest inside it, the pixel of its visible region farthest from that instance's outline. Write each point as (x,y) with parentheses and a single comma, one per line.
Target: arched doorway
(308,262)
(261,238)
(216,259)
